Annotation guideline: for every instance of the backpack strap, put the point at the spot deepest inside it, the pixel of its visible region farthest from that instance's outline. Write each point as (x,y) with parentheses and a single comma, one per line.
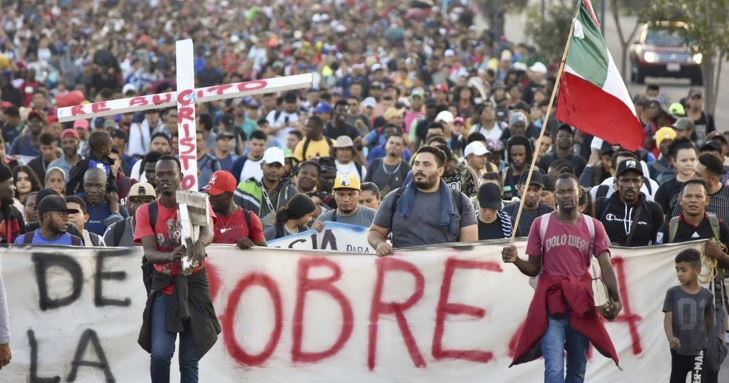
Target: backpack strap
(305,148)
(152,206)
(602,191)
(543,224)
(715,228)
(398,193)
(591,229)
(672,229)
(118,231)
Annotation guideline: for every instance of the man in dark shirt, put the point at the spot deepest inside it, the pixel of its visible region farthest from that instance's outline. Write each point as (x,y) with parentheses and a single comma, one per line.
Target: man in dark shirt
(564,148)
(338,125)
(100,145)
(48,147)
(11,221)
(629,218)
(98,209)
(533,205)
(28,144)
(493,223)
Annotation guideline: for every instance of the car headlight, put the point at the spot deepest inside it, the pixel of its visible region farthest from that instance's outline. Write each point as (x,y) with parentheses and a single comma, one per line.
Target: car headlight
(650,57)
(697,58)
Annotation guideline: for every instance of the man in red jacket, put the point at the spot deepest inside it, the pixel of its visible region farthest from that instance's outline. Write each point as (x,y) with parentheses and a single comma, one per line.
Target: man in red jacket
(562,316)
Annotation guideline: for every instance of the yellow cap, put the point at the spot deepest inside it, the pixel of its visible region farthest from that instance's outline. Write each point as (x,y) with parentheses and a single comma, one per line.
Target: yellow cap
(346,181)
(665,133)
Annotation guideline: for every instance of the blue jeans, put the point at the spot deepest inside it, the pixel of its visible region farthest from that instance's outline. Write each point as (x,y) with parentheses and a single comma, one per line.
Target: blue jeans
(163,347)
(560,337)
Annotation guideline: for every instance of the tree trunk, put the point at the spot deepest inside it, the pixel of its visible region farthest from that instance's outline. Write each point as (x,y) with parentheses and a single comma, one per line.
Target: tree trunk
(708,69)
(624,42)
(715,95)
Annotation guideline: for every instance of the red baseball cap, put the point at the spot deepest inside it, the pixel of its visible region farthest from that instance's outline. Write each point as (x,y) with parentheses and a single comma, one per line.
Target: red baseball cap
(70,133)
(220,182)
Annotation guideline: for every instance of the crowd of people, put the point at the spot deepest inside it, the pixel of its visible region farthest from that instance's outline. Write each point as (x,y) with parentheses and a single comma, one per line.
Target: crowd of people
(419,127)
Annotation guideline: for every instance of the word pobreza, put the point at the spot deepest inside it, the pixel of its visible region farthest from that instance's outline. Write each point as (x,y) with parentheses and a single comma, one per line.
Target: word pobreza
(441,313)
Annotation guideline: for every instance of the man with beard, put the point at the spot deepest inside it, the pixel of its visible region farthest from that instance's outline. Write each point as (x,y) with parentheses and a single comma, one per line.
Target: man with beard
(266,196)
(564,148)
(696,223)
(389,172)
(346,193)
(53,215)
(630,219)
(307,176)
(232,223)
(424,211)
(11,220)
(519,153)
(562,316)
(28,144)
(533,205)
(93,195)
(175,304)
(69,144)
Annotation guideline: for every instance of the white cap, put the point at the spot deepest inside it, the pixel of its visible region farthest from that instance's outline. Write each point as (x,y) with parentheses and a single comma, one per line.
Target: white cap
(129,87)
(519,66)
(375,67)
(449,53)
(538,68)
(273,155)
(476,148)
(369,102)
(445,116)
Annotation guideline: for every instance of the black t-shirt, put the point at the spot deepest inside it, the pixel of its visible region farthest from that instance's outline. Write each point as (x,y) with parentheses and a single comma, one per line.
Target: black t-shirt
(493,230)
(667,195)
(577,161)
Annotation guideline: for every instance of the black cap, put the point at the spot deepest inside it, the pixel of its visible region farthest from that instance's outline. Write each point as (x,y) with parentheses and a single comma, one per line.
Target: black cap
(489,196)
(537,178)
(54,203)
(711,146)
(628,166)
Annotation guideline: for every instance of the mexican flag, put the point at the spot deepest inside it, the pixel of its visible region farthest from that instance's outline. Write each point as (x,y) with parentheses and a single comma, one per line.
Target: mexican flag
(592,95)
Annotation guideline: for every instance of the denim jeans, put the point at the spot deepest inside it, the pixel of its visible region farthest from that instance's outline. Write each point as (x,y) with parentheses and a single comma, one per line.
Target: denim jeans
(163,347)
(560,337)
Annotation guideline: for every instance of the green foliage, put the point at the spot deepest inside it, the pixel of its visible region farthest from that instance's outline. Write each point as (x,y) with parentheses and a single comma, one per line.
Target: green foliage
(549,34)
(708,21)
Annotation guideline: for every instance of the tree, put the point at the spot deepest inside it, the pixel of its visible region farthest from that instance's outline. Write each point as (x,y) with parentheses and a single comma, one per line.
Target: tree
(632,8)
(549,33)
(707,31)
(494,12)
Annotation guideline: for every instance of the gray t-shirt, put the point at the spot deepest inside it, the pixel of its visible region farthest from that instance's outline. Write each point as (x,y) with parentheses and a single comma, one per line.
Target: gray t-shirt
(527,216)
(689,311)
(363,216)
(422,226)
(127,236)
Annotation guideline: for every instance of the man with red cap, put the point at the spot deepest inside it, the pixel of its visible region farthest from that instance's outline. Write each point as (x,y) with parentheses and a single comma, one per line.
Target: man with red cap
(232,223)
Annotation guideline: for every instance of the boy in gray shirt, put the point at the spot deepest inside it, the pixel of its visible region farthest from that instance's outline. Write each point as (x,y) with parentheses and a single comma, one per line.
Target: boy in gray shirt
(689,315)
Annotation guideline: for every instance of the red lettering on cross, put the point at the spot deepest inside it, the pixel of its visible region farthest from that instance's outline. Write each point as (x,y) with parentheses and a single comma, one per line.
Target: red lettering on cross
(185,114)
(188,182)
(184,98)
(138,101)
(251,85)
(185,160)
(627,315)
(77,110)
(228,320)
(446,308)
(186,142)
(157,99)
(218,89)
(99,107)
(378,308)
(324,285)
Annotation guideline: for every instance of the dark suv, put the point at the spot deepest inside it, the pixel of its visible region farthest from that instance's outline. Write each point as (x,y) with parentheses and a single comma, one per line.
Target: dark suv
(661,51)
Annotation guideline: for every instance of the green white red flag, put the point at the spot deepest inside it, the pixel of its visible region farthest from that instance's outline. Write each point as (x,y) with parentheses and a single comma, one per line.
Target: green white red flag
(592,94)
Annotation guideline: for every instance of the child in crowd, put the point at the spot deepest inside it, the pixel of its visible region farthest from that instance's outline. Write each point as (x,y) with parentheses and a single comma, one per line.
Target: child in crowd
(689,315)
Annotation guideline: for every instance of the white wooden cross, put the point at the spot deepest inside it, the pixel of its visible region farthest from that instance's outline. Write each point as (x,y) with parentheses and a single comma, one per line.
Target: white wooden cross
(185,98)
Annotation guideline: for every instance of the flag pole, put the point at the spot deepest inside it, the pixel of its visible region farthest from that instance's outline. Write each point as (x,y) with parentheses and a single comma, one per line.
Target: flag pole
(544,127)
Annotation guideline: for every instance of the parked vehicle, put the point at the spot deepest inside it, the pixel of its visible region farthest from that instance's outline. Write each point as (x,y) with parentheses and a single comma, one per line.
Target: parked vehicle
(661,51)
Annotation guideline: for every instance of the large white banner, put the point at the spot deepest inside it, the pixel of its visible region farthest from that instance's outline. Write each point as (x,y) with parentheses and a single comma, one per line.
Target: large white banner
(436,314)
